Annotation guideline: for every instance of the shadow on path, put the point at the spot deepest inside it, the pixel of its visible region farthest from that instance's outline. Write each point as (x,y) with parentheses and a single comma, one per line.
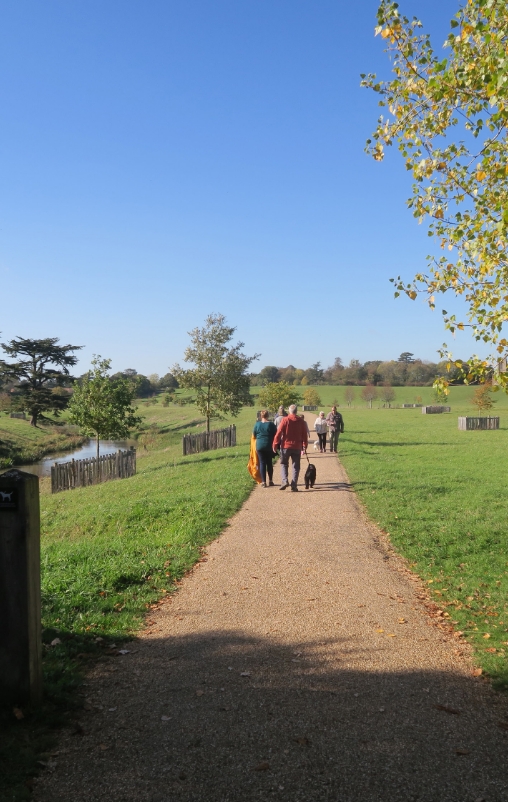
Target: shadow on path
(230,718)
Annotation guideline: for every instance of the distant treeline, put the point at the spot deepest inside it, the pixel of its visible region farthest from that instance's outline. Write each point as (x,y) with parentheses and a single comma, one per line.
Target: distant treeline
(404,371)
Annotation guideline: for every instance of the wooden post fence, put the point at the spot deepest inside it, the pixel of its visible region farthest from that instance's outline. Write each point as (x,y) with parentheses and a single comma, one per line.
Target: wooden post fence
(209,441)
(468,424)
(85,472)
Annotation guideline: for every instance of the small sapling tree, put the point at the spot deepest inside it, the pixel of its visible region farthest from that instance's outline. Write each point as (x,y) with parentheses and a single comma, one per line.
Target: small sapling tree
(387,394)
(40,370)
(219,376)
(311,398)
(349,395)
(278,394)
(102,406)
(482,399)
(369,394)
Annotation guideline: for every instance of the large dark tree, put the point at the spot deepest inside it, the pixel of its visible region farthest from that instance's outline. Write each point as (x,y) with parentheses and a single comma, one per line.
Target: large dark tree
(41,368)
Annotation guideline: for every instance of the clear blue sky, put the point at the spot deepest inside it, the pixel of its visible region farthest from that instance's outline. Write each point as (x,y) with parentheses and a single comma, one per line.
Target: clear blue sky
(162,160)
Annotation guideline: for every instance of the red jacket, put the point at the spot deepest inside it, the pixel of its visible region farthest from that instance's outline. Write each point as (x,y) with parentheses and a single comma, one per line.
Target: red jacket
(292,433)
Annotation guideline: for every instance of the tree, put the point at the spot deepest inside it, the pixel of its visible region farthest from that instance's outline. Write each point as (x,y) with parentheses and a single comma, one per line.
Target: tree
(43,366)
(482,399)
(168,382)
(268,375)
(441,393)
(311,398)
(102,406)
(406,357)
(314,374)
(448,116)
(387,394)
(278,394)
(333,374)
(349,395)
(219,377)
(369,394)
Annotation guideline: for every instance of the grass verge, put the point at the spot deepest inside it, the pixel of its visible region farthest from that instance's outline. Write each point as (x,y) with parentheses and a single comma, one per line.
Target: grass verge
(440,495)
(22,444)
(111,551)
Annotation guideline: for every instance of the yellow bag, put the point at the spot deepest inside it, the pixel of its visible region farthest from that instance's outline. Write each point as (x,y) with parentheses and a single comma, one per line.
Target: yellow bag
(253,464)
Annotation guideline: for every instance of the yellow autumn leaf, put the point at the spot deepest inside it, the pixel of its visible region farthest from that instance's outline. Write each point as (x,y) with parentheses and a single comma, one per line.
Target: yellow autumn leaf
(486,636)
(439,214)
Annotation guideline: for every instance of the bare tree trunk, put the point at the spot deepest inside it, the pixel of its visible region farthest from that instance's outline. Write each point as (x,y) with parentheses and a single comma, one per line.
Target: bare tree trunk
(33,419)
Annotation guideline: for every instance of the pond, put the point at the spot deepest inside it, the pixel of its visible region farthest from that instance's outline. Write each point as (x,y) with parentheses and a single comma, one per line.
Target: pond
(86,451)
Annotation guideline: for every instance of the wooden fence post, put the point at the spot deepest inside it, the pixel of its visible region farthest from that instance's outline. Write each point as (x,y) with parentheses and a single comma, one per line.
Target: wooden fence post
(20,589)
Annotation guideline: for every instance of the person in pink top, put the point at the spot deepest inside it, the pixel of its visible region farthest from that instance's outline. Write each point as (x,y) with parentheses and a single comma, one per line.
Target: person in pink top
(292,438)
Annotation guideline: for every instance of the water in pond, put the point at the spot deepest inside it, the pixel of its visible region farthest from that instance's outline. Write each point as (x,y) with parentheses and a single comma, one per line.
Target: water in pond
(86,451)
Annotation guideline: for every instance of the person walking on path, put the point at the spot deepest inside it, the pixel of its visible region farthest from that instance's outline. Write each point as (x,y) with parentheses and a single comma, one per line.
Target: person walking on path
(335,424)
(264,431)
(281,414)
(291,437)
(321,428)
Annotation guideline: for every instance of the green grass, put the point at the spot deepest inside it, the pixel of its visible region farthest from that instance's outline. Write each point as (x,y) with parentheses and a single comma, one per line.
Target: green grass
(21,444)
(440,495)
(111,551)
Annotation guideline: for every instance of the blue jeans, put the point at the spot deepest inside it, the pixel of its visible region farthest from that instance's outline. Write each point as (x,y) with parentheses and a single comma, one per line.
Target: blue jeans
(285,454)
(265,456)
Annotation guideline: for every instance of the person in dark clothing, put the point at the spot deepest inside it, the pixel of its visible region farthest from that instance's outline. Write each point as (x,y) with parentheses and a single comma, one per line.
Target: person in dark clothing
(335,423)
(264,431)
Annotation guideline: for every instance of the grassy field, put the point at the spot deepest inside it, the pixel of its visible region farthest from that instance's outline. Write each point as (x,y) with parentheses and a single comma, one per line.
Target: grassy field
(440,495)
(21,443)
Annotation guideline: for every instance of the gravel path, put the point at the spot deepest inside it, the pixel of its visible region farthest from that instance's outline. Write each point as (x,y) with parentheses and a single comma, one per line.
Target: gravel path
(298,661)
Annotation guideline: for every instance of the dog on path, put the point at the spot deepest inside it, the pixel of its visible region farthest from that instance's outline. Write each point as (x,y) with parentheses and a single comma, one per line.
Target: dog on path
(310,476)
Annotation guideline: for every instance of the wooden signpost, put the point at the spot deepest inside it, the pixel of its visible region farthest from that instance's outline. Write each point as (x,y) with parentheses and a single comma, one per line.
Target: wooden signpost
(20,589)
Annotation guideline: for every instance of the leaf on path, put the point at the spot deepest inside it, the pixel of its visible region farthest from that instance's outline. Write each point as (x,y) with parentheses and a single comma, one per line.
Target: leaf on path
(447,709)
(462,752)
(165,718)
(391,634)
(245,674)
(18,713)
(402,621)
(477,672)
(302,741)
(379,630)
(199,692)
(123,651)
(264,766)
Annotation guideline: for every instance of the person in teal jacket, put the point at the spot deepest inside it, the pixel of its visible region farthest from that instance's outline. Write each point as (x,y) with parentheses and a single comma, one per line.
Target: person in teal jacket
(264,431)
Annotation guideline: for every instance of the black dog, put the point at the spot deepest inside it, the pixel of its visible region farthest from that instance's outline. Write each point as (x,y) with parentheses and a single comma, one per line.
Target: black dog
(310,476)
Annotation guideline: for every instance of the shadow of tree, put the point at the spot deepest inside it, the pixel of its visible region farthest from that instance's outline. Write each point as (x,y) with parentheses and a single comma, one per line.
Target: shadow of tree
(222,716)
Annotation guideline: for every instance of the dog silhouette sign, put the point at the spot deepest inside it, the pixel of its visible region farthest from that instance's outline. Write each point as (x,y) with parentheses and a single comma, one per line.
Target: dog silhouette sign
(9,499)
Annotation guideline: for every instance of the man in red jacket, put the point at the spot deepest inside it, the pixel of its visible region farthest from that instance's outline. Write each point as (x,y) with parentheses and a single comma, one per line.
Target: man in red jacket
(291,437)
